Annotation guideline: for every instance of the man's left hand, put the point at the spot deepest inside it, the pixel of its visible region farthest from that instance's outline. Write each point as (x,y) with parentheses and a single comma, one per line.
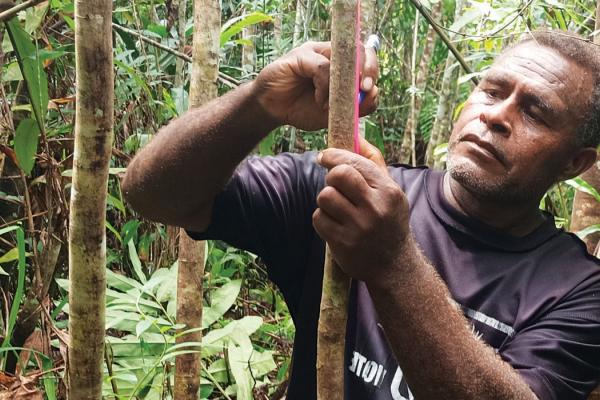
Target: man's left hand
(362,213)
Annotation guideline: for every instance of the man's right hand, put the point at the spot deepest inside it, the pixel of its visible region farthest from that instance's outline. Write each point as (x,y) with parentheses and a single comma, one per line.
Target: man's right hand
(295,88)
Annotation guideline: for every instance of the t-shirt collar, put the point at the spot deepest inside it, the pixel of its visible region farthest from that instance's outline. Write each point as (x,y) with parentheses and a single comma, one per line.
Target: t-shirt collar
(434,186)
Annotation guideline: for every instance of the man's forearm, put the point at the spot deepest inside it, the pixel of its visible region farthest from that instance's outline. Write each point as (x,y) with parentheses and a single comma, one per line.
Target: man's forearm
(433,343)
(176,176)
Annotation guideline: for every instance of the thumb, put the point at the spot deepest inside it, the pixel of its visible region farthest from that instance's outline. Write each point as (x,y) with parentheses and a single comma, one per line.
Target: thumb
(371,152)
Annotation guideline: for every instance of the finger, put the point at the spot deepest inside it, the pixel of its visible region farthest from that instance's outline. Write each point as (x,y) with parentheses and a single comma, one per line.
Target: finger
(370,68)
(323,48)
(327,227)
(349,183)
(370,171)
(335,204)
(315,66)
(371,152)
(370,101)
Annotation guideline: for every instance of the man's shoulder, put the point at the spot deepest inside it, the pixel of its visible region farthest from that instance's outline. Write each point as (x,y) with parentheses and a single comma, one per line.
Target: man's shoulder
(408,176)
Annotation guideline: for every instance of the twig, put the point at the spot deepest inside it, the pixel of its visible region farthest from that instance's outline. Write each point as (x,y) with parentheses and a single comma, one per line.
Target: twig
(11,12)
(445,39)
(223,78)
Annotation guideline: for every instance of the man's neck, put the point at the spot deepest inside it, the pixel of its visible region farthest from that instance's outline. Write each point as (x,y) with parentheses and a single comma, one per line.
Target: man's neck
(515,219)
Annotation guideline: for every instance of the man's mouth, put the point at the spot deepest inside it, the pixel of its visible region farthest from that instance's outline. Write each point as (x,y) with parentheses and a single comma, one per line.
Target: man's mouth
(484,148)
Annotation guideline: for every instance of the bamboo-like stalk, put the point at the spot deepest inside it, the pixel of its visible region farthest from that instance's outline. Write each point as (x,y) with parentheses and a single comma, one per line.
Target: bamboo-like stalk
(203,88)
(87,238)
(334,299)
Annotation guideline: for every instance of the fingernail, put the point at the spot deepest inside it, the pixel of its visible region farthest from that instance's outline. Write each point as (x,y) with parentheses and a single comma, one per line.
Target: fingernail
(367,84)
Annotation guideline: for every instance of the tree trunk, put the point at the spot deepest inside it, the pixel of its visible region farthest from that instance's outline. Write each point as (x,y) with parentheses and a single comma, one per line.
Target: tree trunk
(368,25)
(440,131)
(300,35)
(181,23)
(420,75)
(334,299)
(249,50)
(586,210)
(87,237)
(203,88)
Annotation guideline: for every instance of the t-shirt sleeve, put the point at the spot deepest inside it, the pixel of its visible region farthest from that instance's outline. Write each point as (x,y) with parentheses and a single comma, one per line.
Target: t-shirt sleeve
(559,355)
(267,205)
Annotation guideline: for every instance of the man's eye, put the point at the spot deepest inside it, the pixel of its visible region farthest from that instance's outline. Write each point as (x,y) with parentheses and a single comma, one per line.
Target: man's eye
(534,116)
(492,94)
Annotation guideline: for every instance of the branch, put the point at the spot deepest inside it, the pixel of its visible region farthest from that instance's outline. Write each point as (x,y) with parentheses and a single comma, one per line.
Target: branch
(223,78)
(445,39)
(11,12)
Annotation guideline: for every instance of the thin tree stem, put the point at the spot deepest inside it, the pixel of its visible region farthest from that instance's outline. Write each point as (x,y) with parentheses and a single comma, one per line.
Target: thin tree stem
(445,39)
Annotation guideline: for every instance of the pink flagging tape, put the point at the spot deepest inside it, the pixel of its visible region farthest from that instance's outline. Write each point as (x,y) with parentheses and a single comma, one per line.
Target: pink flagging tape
(357,83)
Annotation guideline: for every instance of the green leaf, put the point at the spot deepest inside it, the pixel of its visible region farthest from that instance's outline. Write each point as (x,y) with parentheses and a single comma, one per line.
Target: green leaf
(19,293)
(31,68)
(221,300)
(238,363)
(142,327)
(584,187)
(236,25)
(26,141)
(11,255)
(12,73)
(135,261)
(265,147)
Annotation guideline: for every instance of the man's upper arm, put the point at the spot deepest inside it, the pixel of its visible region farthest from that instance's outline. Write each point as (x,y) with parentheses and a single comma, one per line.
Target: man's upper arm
(559,355)
(268,202)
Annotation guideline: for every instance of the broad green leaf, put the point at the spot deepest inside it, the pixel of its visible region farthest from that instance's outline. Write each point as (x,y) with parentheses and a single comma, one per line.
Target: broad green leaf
(221,300)
(12,73)
(236,25)
(238,360)
(9,229)
(584,187)
(135,261)
(20,292)
(26,141)
(34,17)
(142,327)
(11,255)
(31,68)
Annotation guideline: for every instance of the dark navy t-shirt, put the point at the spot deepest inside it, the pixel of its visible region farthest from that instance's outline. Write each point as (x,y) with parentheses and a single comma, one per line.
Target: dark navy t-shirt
(535,299)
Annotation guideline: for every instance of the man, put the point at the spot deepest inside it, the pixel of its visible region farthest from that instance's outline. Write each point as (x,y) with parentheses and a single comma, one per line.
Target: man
(462,288)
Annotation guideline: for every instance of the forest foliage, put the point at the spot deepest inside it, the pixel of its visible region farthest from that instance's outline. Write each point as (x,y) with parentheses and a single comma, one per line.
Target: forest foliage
(247,329)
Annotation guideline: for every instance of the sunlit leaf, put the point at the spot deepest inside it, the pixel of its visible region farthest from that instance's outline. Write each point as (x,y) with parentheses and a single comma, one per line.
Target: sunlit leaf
(236,25)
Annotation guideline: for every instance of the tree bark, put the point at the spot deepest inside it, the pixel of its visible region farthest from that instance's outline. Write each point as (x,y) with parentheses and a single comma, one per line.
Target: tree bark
(87,237)
(181,23)
(420,75)
(440,130)
(203,88)
(368,25)
(249,50)
(586,210)
(334,299)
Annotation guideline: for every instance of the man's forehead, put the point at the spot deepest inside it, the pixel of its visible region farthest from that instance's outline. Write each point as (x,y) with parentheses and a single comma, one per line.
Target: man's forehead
(544,70)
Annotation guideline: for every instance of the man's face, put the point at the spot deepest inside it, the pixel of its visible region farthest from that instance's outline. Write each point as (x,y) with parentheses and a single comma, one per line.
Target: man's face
(516,132)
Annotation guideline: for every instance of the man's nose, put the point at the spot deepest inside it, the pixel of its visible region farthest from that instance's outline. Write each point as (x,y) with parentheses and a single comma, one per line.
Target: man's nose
(496,118)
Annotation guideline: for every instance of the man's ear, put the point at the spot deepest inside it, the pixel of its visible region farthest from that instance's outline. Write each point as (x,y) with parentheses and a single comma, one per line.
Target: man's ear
(583,159)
